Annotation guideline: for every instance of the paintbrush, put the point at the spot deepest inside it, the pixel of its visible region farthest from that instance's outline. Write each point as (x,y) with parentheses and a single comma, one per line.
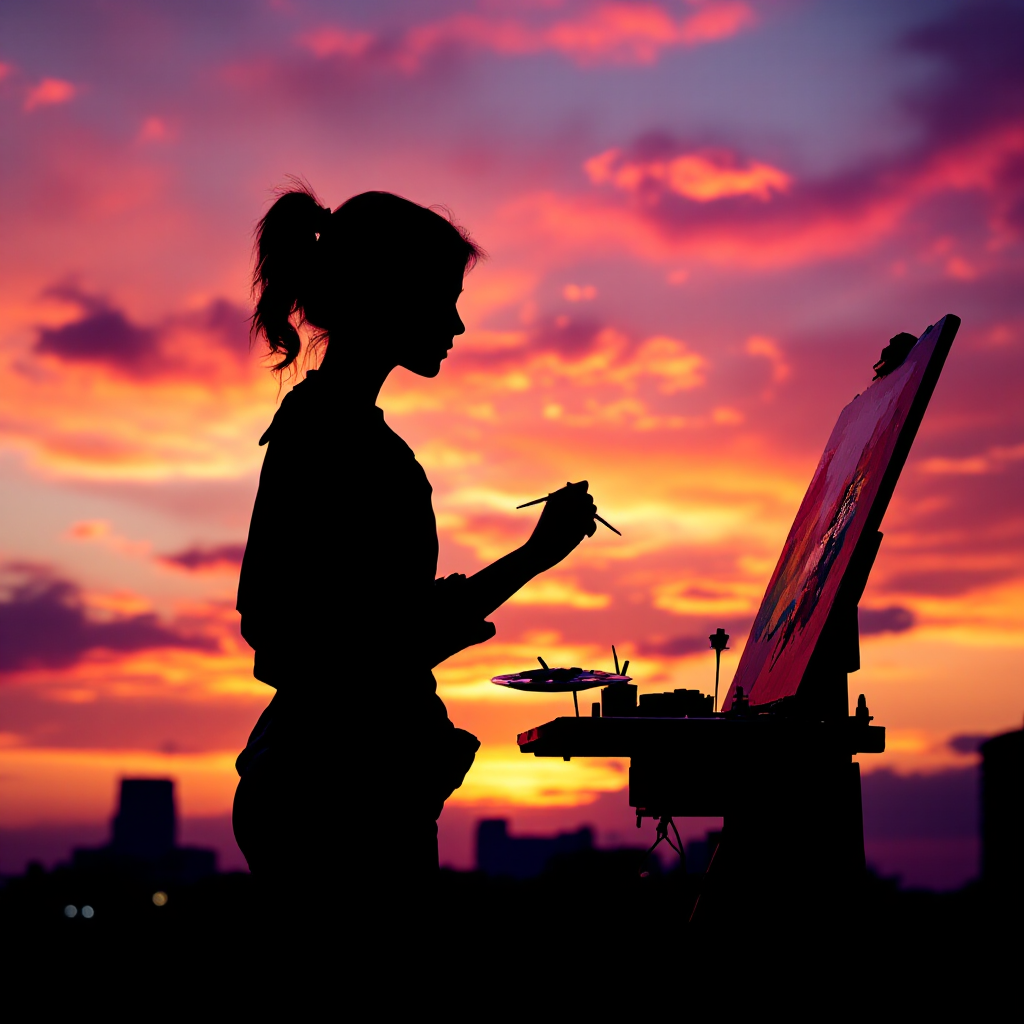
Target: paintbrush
(537,501)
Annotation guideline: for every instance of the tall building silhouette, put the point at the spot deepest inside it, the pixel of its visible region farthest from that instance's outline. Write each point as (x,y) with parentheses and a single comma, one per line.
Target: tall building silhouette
(1002,815)
(146,824)
(144,837)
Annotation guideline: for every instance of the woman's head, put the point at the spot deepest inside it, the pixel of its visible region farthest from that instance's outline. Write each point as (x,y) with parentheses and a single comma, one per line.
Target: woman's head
(379,270)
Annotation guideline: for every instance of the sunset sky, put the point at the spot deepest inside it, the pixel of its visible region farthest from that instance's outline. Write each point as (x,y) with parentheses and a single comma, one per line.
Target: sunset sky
(703,219)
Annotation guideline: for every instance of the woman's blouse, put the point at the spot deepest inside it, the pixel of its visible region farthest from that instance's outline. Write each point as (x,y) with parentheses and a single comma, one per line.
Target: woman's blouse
(337,599)
(342,549)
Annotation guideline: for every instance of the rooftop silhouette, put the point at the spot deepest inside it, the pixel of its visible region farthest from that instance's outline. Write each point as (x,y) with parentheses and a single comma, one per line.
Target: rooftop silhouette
(144,838)
(499,854)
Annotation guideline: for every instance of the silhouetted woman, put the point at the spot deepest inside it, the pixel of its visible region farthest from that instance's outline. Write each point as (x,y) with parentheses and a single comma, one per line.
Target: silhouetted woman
(347,770)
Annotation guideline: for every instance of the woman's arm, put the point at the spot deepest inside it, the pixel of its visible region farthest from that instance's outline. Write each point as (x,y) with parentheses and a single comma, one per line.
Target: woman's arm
(567,518)
(463,604)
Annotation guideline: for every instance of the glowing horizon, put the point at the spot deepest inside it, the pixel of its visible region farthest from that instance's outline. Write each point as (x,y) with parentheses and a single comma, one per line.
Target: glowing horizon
(699,243)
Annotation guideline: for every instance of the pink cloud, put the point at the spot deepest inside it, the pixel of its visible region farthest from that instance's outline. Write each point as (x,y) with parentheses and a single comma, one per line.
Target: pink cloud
(579,292)
(656,220)
(767,348)
(337,42)
(717,21)
(995,460)
(48,92)
(618,33)
(155,129)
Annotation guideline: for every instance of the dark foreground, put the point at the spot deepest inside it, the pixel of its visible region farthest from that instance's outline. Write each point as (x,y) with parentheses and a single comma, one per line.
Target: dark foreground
(590,935)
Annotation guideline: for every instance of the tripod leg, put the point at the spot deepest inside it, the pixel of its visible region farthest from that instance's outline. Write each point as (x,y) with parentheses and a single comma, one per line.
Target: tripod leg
(707,908)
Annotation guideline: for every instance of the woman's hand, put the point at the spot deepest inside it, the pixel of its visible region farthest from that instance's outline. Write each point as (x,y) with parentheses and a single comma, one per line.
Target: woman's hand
(455,627)
(567,518)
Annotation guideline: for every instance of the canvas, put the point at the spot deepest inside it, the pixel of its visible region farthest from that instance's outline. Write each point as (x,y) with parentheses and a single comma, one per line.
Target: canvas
(847,496)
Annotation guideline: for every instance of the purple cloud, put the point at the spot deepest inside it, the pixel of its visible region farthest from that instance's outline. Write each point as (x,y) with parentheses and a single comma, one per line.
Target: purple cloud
(967,743)
(43,624)
(198,559)
(894,619)
(948,582)
(981,45)
(104,334)
(676,646)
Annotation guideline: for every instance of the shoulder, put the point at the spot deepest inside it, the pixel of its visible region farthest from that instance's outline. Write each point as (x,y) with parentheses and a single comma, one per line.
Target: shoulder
(304,412)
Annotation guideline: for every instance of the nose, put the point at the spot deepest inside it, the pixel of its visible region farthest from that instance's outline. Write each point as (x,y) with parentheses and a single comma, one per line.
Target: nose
(460,327)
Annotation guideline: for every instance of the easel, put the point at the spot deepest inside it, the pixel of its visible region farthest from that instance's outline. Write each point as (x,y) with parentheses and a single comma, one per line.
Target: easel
(781,774)
(792,846)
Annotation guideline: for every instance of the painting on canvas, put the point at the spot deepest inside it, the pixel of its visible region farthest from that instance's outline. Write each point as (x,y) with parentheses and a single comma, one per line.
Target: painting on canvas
(832,518)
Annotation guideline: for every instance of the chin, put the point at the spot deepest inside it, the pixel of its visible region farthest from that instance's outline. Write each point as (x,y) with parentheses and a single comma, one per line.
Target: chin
(425,368)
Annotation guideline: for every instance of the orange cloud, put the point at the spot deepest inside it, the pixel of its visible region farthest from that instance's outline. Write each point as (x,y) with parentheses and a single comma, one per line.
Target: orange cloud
(90,529)
(670,361)
(100,531)
(48,92)
(702,177)
(609,361)
(564,593)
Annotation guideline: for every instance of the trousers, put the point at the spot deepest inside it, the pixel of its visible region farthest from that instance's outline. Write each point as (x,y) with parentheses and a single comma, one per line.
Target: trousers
(319,812)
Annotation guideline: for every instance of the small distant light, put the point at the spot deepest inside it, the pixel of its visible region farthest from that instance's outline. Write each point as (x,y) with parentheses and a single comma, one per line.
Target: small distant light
(87,911)
(160,899)
(70,911)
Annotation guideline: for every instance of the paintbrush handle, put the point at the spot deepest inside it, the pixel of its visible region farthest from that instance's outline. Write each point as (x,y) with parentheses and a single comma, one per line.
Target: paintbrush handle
(538,501)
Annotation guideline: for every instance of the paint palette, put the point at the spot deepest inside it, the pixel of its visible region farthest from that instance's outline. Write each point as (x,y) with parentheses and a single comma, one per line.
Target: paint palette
(558,680)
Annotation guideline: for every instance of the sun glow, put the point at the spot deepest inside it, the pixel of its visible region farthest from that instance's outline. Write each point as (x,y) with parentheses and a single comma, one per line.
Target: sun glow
(696,254)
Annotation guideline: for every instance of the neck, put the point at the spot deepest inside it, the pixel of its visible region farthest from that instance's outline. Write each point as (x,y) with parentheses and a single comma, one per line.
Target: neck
(363,375)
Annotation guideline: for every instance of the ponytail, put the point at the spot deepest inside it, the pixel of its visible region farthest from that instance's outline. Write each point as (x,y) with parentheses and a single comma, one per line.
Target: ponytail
(286,265)
(308,260)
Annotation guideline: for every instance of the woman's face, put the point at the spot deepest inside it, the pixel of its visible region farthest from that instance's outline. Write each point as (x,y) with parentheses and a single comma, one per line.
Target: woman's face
(427,321)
